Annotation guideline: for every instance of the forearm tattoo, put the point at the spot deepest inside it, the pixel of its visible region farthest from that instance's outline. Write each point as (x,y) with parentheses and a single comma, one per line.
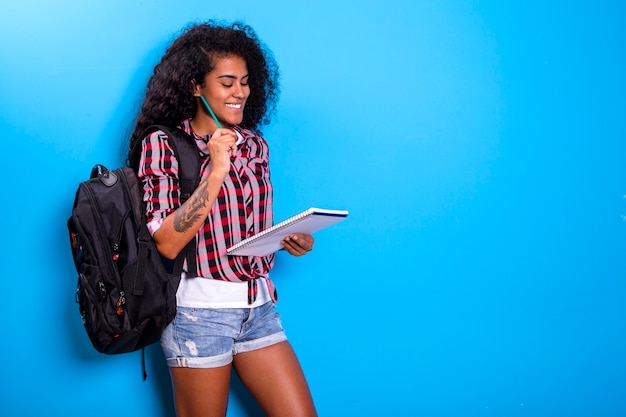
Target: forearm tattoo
(190,212)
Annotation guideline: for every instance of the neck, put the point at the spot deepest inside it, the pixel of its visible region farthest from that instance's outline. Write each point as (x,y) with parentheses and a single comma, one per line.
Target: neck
(203,125)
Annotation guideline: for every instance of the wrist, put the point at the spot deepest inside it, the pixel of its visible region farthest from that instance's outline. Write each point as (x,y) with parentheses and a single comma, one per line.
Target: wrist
(217,176)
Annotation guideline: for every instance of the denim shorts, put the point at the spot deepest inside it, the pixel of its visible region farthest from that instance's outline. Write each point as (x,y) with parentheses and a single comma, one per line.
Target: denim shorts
(209,338)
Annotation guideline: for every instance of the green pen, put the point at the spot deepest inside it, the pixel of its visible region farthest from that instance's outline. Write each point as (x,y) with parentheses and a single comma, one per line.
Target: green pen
(210,111)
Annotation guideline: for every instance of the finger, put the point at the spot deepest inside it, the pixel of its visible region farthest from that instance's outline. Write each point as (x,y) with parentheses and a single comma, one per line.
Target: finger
(229,140)
(222,149)
(288,246)
(303,241)
(293,247)
(224,131)
(225,135)
(296,252)
(225,143)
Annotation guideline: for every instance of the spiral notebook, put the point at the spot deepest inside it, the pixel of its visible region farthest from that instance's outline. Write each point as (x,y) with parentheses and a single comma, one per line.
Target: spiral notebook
(268,241)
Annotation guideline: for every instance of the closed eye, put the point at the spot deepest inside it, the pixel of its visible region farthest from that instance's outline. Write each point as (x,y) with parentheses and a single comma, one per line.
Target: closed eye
(244,80)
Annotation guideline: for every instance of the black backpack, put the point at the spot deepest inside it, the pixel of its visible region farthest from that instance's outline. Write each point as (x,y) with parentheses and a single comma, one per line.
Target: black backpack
(126,293)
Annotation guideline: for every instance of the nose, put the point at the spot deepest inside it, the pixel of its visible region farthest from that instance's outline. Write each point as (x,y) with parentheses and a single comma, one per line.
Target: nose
(238,91)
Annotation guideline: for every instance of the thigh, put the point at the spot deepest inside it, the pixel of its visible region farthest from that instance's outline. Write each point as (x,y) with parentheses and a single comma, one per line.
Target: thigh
(201,338)
(274,377)
(201,391)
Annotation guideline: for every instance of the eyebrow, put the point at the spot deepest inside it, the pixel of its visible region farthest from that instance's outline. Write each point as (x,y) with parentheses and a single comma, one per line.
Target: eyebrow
(232,76)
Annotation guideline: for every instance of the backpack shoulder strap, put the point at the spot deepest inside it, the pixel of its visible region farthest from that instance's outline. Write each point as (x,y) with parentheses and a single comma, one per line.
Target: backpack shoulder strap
(186,152)
(187,155)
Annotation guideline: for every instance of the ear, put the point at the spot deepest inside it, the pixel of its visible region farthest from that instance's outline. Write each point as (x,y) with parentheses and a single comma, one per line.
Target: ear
(195,88)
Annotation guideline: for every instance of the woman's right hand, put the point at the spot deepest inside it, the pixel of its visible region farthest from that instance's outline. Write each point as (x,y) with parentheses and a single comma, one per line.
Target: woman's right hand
(181,226)
(222,146)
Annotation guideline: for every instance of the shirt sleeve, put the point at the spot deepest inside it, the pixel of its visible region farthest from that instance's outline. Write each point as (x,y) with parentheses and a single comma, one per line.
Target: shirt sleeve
(158,172)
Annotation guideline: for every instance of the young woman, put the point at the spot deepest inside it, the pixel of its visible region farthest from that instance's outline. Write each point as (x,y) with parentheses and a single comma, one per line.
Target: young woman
(219,83)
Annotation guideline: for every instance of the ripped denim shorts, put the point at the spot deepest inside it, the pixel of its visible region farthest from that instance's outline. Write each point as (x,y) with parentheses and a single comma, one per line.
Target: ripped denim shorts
(209,338)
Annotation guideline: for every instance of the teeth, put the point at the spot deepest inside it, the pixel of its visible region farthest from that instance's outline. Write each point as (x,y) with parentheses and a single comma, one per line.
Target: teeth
(234,106)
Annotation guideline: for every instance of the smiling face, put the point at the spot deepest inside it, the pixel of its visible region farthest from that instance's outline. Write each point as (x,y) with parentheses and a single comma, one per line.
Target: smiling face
(226,90)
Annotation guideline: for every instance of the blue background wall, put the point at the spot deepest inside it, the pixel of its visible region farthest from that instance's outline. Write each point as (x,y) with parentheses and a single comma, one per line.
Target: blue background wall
(479,146)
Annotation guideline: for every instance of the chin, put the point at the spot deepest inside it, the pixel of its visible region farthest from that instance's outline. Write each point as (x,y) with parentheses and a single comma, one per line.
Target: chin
(234,122)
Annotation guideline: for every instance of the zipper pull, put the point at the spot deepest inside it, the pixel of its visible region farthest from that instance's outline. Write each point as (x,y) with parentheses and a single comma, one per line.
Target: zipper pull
(119,306)
(102,289)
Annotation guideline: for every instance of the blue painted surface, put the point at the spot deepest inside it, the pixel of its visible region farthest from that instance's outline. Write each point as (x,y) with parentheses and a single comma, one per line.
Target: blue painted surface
(479,146)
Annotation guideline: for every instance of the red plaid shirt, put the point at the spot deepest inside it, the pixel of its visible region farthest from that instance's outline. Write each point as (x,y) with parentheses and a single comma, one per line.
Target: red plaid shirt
(243,206)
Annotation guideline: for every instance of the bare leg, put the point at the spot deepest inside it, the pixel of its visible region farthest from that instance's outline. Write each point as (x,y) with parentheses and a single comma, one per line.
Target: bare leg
(274,377)
(201,392)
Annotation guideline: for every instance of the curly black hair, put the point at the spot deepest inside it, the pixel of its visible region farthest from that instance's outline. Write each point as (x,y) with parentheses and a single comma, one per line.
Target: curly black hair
(169,95)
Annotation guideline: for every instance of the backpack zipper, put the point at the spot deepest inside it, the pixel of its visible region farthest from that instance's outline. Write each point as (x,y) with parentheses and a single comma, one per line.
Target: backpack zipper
(115,253)
(94,203)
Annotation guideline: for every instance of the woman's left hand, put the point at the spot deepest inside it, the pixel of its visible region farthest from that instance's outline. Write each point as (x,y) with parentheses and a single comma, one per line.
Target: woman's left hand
(298,244)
